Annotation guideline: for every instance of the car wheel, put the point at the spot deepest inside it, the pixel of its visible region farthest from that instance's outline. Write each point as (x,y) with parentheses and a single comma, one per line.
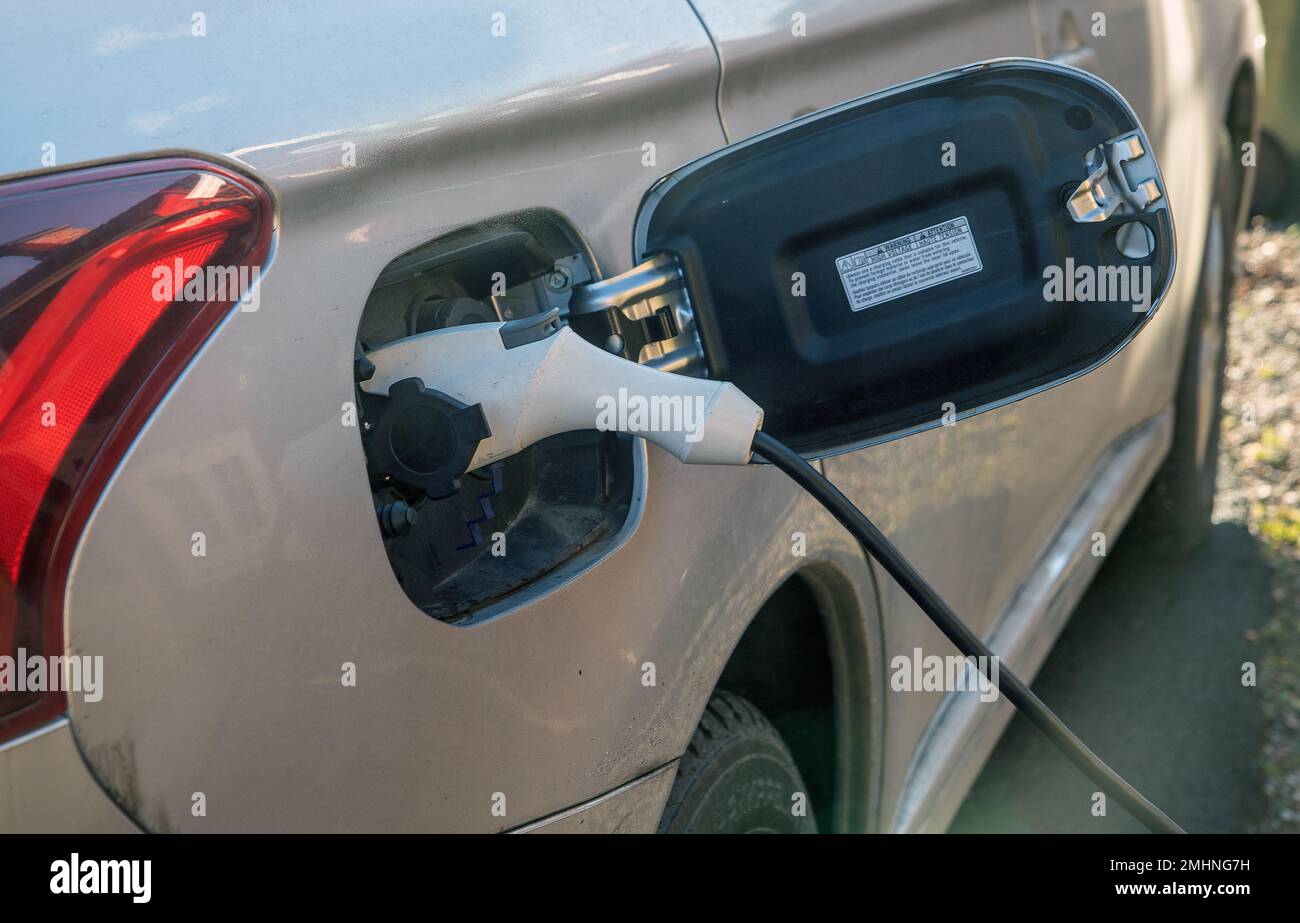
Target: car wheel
(737,777)
(1174,516)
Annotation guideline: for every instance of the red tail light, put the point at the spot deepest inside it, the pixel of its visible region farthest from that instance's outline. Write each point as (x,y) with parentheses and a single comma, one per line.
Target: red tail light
(110,280)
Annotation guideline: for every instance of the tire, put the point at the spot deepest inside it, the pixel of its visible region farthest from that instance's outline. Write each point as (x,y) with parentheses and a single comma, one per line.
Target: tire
(1272,178)
(1174,516)
(737,777)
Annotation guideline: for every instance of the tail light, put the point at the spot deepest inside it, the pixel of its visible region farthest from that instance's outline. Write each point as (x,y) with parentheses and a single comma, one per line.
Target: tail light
(111,278)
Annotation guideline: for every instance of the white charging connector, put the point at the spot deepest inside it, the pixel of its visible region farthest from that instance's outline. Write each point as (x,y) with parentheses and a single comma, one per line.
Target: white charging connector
(557,382)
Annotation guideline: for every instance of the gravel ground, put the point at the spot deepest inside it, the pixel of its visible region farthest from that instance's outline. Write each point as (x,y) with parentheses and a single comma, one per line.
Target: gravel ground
(1259,487)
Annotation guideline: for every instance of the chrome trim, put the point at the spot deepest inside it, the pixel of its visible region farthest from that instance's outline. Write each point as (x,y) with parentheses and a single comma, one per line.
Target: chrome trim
(626,290)
(962,731)
(55,725)
(647,288)
(1107,191)
(644,796)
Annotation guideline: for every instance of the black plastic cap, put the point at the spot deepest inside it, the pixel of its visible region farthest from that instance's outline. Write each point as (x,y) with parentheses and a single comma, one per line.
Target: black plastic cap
(424,439)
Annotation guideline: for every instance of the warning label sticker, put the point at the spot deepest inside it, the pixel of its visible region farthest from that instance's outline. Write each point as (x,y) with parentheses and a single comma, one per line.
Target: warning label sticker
(907,264)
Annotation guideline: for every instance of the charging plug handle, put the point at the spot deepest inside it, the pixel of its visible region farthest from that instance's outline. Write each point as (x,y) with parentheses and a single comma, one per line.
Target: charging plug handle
(544,379)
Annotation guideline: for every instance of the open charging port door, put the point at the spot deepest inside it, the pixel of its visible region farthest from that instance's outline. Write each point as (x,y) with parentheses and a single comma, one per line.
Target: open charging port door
(860,269)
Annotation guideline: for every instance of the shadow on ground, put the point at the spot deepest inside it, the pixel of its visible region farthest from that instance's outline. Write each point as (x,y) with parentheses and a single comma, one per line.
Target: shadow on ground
(1148,672)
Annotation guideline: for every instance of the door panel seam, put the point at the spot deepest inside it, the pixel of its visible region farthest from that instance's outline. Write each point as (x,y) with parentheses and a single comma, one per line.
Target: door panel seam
(722,70)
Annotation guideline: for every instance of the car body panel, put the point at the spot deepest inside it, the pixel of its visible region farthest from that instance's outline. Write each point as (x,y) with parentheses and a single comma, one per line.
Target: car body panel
(47,788)
(222,672)
(249,641)
(785,58)
(631,808)
(977,506)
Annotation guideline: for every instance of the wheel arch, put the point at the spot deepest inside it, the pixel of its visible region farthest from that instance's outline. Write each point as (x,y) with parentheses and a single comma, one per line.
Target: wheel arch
(824,692)
(1241,117)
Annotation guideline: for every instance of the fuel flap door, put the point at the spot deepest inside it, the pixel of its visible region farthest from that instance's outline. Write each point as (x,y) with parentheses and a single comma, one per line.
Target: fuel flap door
(932,251)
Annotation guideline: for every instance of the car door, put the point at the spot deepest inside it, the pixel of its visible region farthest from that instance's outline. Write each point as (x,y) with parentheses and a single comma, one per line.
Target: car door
(786,58)
(983,506)
(1111,39)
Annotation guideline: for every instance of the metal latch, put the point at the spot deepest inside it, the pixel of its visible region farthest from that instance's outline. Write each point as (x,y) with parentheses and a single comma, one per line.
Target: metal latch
(645,314)
(1122,178)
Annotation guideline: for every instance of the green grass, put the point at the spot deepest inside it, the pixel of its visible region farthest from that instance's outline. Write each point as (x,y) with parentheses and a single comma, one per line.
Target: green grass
(1272,448)
(1281,527)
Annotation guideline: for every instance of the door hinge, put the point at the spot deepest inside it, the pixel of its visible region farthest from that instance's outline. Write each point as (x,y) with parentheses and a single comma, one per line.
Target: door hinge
(1122,178)
(644,314)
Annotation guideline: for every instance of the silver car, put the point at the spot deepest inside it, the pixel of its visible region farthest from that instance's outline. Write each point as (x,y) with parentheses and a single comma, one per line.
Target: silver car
(256,631)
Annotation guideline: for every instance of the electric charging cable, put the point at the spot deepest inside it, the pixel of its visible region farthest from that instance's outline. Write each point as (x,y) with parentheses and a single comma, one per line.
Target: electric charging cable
(1022,697)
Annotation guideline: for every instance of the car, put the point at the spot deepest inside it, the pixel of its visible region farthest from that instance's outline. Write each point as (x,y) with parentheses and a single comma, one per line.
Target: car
(275,634)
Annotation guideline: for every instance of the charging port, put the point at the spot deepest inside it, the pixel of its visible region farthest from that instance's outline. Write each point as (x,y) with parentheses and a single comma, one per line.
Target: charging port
(501,528)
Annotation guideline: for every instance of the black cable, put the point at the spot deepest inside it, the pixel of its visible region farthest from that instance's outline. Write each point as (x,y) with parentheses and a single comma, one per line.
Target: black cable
(874,541)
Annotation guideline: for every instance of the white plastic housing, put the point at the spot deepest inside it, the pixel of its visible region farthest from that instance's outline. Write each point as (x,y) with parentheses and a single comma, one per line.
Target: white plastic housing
(563,383)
